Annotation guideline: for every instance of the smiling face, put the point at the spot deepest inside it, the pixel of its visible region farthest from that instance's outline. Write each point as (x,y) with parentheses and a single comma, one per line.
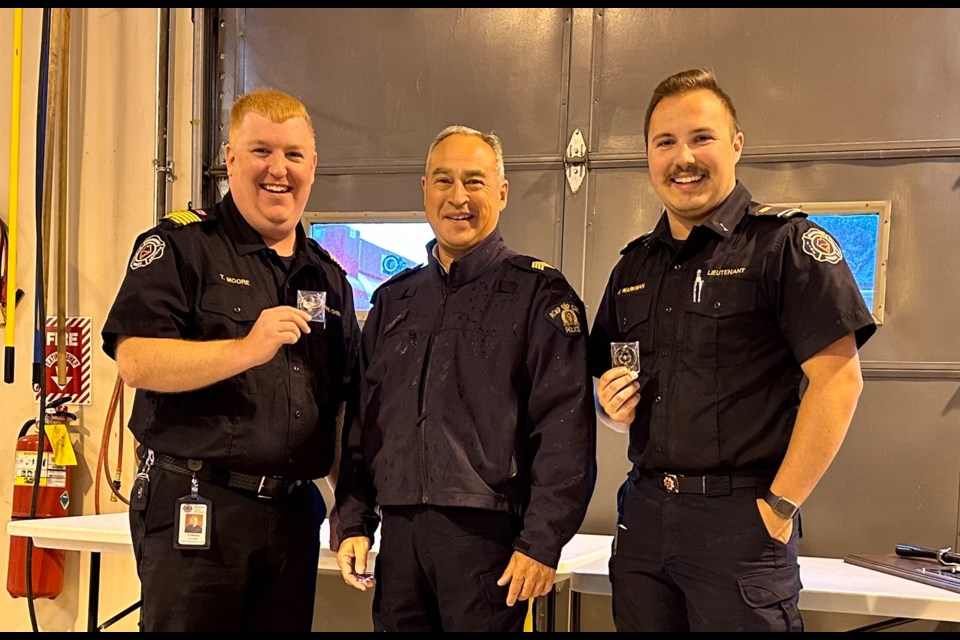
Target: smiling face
(463,194)
(693,148)
(270,166)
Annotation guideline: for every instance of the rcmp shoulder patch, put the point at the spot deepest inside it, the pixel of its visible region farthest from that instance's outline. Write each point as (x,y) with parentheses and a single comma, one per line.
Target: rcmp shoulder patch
(764,210)
(566,318)
(187,216)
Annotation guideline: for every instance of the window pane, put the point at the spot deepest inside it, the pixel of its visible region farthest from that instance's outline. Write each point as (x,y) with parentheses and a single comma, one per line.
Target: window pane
(372,252)
(857,236)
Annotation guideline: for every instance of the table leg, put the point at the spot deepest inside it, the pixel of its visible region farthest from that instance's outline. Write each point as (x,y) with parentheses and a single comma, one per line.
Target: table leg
(93,596)
(574,610)
(549,603)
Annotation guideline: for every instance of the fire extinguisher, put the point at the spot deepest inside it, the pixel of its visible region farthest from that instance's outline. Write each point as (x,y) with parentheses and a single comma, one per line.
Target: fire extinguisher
(53,501)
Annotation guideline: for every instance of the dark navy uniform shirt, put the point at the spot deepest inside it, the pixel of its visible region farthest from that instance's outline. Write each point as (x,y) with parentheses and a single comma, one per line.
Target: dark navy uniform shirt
(475,393)
(724,321)
(207,276)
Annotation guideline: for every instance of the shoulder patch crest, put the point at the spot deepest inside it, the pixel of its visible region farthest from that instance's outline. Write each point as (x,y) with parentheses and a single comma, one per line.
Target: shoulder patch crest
(818,244)
(566,318)
(150,250)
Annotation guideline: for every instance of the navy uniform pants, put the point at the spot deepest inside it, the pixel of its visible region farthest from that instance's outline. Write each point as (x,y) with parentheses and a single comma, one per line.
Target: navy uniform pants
(258,575)
(437,570)
(687,562)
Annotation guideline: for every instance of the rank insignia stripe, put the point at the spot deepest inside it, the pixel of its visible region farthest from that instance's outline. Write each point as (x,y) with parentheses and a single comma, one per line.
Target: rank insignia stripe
(183,218)
(541,265)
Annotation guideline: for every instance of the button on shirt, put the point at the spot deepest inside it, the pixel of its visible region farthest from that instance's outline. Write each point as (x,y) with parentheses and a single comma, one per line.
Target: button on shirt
(724,321)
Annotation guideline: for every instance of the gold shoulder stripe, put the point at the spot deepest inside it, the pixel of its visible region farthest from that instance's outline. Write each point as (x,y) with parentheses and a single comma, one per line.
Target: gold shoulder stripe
(333,258)
(183,217)
(541,265)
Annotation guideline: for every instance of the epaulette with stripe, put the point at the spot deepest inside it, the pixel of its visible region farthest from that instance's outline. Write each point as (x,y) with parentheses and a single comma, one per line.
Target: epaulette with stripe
(764,210)
(326,255)
(184,217)
(527,263)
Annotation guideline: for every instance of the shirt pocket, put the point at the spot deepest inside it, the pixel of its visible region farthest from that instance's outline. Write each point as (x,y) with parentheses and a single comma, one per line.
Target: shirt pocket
(229,314)
(396,344)
(719,328)
(634,319)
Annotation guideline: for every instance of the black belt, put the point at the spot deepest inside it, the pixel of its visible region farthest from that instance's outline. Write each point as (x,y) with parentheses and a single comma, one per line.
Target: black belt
(704,485)
(261,486)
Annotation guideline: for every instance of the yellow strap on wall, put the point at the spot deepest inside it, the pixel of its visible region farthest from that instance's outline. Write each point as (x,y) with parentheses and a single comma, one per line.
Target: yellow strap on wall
(14,190)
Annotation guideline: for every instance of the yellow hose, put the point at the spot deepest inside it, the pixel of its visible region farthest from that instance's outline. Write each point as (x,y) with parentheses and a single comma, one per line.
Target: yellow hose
(14,187)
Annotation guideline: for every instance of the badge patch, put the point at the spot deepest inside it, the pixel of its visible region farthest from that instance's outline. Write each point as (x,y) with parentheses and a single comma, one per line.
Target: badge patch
(818,244)
(566,318)
(151,250)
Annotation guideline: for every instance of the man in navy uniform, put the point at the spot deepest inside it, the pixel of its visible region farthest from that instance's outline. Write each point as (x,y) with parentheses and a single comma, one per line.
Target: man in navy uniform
(731,303)
(476,438)
(238,391)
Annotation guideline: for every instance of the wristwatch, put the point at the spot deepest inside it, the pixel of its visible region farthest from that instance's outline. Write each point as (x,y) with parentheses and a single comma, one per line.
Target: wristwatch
(783,507)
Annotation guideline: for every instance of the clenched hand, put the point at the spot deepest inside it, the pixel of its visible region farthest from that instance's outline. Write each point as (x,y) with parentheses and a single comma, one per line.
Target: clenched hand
(274,328)
(619,394)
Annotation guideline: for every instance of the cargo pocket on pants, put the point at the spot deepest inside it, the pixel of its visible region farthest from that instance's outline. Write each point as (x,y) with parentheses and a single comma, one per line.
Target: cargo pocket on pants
(771,598)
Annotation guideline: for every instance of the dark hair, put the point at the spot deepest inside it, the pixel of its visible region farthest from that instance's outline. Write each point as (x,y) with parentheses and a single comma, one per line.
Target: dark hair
(684,82)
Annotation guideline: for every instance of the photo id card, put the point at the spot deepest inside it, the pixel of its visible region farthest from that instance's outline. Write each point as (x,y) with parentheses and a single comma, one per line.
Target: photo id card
(314,303)
(192,523)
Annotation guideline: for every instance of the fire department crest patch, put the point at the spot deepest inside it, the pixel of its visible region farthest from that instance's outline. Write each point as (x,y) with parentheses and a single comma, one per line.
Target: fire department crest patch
(566,318)
(150,250)
(818,244)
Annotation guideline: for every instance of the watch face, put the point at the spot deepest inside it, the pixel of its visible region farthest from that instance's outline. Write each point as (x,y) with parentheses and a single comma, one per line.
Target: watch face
(786,509)
(781,506)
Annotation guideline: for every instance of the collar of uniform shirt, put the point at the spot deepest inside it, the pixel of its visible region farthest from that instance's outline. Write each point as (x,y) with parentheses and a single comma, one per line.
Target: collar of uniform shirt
(245,238)
(472,264)
(724,218)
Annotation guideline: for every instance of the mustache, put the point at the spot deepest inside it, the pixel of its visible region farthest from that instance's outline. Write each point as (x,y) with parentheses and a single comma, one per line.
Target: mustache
(691,168)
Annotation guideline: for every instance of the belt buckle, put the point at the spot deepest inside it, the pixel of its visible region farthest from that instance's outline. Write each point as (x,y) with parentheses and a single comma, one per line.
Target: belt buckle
(291,485)
(670,483)
(260,494)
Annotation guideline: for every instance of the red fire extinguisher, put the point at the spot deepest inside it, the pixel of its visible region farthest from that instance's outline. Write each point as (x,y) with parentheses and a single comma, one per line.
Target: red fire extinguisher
(53,501)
